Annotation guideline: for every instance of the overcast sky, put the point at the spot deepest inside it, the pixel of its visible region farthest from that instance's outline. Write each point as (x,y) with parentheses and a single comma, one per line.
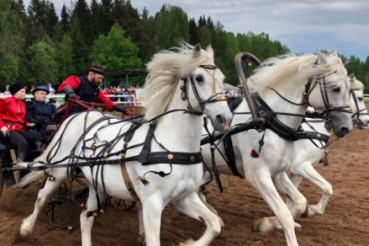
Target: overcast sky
(305,26)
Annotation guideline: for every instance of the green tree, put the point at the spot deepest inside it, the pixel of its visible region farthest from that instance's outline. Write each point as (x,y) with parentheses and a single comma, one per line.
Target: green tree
(65,18)
(205,36)
(64,58)
(42,64)
(171,27)
(80,48)
(11,42)
(194,32)
(115,51)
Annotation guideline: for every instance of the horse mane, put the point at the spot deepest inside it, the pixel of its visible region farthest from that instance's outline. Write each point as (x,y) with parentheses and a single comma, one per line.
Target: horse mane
(164,73)
(355,84)
(275,70)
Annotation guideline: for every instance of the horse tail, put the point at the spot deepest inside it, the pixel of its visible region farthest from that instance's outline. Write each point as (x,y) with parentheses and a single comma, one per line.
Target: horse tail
(32,177)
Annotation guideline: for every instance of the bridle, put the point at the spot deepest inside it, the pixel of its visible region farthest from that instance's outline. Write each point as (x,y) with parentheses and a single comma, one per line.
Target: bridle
(309,87)
(323,91)
(215,97)
(356,116)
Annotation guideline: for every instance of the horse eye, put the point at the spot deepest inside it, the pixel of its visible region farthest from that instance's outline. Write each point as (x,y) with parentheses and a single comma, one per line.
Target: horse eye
(337,89)
(199,78)
(360,99)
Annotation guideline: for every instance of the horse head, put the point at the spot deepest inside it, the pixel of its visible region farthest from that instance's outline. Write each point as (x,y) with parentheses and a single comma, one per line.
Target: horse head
(199,80)
(328,91)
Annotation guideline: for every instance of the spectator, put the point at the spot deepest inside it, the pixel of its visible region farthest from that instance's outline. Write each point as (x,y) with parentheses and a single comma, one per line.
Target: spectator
(39,111)
(51,88)
(13,122)
(87,89)
(6,92)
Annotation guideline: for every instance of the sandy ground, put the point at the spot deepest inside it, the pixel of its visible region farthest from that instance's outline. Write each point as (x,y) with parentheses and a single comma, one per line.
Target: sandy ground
(345,222)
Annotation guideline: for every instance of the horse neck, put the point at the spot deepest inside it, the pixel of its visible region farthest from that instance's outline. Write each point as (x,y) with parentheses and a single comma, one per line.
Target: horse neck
(292,89)
(179,131)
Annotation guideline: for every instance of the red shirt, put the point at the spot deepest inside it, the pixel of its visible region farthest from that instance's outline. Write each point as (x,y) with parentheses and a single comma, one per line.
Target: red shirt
(74,82)
(12,114)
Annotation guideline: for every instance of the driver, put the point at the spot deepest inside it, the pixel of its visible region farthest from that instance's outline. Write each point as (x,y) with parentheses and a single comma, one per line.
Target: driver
(87,89)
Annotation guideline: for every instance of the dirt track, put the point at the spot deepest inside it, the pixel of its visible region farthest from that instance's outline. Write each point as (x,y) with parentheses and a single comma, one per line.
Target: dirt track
(345,222)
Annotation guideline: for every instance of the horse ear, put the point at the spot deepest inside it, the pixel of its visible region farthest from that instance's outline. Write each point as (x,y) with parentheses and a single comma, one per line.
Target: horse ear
(352,78)
(333,52)
(210,50)
(196,51)
(322,58)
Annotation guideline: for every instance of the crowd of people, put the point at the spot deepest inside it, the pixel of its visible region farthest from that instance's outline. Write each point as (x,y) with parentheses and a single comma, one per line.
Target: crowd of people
(24,123)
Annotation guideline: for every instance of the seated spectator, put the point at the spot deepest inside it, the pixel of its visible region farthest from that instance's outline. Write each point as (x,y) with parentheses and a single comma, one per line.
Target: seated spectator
(13,121)
(39,111)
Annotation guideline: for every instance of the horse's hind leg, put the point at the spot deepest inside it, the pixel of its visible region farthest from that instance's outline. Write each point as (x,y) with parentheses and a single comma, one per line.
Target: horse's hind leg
(88,215)
(195,208)
(43,196)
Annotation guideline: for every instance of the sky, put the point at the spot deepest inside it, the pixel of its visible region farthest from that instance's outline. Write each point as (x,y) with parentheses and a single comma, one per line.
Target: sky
(304,26)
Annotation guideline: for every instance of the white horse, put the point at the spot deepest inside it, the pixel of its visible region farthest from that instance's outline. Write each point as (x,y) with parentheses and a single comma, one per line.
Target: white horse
(288,85)
(157,163)
(312,151)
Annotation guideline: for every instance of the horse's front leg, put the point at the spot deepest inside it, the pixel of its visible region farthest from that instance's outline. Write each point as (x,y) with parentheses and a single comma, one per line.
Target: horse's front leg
(195,208)
(88,215)
(141,229)
(307,171)
(151,213)
(263,183)
(296,201)
(43,197)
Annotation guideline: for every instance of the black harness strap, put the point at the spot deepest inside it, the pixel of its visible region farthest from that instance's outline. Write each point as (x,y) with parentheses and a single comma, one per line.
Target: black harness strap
(229,152)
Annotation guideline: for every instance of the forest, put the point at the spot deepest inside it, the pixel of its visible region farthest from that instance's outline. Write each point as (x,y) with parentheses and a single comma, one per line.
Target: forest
(38,45)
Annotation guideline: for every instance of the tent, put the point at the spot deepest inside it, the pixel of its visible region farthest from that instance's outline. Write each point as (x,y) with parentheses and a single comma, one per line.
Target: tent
(229,87)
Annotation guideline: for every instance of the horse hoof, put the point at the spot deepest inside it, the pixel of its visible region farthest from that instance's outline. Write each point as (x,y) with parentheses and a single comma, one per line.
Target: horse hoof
(305,214)
(18,238)
(256,226)
(141,240)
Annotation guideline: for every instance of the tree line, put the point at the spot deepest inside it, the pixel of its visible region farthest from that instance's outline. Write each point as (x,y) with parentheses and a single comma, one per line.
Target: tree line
(38,46)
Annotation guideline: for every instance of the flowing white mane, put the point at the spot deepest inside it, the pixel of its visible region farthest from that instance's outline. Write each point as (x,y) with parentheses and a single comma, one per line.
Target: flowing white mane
(278,69)
(355,84)
(165,71)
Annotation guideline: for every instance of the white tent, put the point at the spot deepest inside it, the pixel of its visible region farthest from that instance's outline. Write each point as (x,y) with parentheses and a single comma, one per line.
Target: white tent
(229,87)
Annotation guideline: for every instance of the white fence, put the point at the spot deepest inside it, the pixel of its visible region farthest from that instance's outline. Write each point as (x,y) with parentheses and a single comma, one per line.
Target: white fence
(117,99)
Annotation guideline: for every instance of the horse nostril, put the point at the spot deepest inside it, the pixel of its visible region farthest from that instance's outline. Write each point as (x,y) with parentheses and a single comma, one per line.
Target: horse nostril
(344,131)
(220,119)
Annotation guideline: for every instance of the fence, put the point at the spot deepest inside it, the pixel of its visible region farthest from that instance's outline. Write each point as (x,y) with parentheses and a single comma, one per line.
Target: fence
(117,99)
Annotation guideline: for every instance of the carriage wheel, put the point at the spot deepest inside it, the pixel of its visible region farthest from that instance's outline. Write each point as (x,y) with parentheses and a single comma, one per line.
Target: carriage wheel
(59,209)
(120,203)
(1,181)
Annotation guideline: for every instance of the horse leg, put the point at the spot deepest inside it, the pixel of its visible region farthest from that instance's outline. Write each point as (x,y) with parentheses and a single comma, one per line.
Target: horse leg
(43,196)
(195,208)
(296,201)
(141,229)
(265,186)
(152,209)
(88,215)
(308,172)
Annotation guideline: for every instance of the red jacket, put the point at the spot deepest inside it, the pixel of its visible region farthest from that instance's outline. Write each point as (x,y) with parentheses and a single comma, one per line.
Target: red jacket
(12,114)
(74,82)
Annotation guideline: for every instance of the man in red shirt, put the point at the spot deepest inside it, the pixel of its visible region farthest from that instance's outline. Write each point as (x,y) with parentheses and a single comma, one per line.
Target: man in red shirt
(87,89)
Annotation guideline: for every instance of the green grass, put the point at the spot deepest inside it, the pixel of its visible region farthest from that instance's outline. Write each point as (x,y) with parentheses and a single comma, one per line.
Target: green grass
(366,99)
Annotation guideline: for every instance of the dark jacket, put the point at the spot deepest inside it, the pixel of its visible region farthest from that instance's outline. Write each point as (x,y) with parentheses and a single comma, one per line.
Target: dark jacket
(40,113)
